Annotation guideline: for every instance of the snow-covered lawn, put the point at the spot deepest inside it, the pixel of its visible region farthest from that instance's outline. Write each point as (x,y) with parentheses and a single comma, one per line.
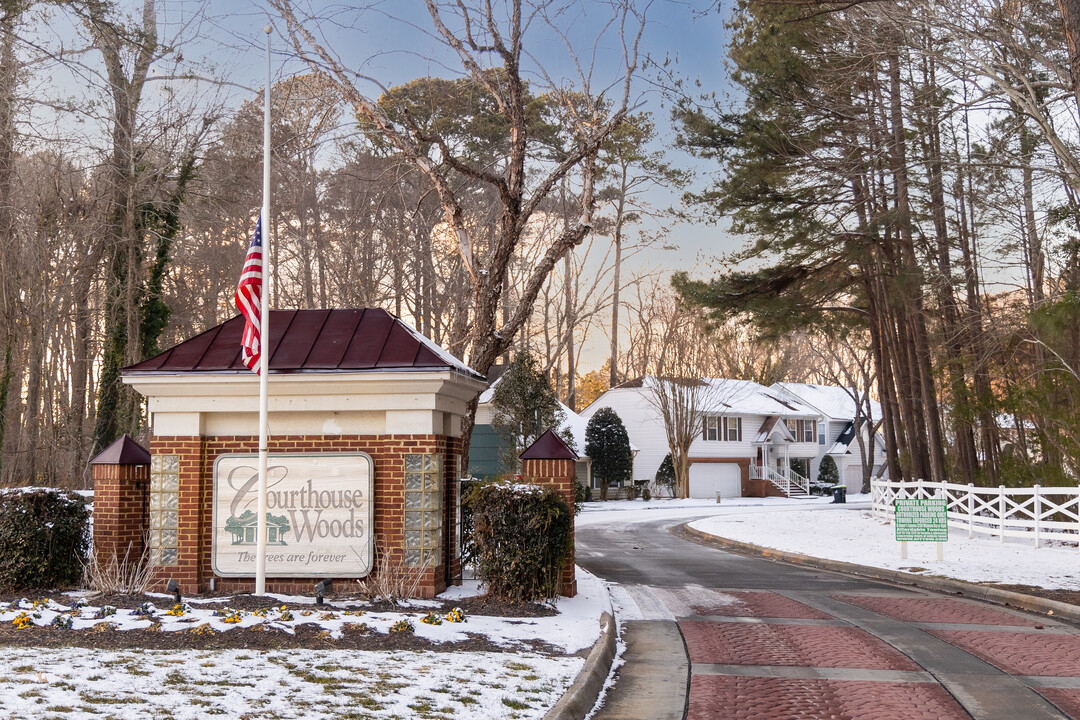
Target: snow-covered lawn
(851,534)
(305,684)
(82,683)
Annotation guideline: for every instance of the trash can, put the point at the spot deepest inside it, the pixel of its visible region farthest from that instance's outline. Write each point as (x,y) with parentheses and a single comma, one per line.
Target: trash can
(839,494)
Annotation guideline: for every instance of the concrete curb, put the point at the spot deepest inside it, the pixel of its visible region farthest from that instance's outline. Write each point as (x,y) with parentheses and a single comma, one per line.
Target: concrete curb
(576,703)
(955,587)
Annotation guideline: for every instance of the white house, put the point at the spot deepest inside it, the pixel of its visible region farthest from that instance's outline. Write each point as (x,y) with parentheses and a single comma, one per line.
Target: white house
(837,431)
(748,437)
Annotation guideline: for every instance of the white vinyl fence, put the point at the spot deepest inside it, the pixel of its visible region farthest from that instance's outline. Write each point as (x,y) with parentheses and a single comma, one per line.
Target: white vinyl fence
(1036,513)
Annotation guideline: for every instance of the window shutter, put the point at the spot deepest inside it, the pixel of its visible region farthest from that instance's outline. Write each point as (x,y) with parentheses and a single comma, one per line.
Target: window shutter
(704,428)
(739,430)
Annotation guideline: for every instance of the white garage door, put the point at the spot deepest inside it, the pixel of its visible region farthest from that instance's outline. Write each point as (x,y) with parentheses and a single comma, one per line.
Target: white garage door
(707,479)
(853,478)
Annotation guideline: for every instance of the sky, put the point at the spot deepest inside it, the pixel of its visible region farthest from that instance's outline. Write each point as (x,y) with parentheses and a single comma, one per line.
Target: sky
(392,49)
(392,42)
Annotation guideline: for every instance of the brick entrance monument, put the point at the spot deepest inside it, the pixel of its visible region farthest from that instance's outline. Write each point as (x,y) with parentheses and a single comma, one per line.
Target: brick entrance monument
(365,422)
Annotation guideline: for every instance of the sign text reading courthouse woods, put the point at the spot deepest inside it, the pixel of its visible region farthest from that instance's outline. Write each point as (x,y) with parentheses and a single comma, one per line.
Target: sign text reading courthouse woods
(923,520)
(318,515)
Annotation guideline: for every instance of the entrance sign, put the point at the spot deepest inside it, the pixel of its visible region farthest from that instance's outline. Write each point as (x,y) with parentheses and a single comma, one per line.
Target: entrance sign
(318,515)
(923,520)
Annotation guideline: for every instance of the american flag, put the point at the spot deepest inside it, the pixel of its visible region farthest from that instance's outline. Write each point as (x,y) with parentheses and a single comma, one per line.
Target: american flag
(249,299)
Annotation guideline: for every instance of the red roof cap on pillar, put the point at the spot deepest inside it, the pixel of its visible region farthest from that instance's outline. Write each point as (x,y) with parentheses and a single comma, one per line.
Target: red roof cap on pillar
(549,446)
(124,451)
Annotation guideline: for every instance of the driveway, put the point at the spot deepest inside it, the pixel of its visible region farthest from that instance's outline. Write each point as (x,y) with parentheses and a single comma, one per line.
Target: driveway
(711,634)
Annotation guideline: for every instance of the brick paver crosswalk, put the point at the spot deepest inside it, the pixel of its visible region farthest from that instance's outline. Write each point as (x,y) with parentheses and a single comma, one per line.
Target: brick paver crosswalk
(764,656)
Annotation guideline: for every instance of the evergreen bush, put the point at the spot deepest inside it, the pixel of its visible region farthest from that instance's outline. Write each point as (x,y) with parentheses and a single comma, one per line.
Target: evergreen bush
(520,535)
(44,539)
(665,476)
(608,445)
(828,474)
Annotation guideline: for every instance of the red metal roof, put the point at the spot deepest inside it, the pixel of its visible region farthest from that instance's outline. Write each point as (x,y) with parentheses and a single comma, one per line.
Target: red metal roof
(339,340)
(124,451)
(549,446)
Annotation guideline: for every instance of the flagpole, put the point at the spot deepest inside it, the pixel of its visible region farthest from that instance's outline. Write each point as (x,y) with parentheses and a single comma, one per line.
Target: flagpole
(264,338)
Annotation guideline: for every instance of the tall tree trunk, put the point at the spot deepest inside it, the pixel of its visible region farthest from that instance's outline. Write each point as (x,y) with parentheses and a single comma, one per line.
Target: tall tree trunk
(911,278)
(117,405)
(571,370)
(1070,15)
(613,364)
(9,251)
(964,436)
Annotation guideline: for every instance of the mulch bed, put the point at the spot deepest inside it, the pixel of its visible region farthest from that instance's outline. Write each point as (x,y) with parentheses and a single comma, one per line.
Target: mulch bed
(307,635)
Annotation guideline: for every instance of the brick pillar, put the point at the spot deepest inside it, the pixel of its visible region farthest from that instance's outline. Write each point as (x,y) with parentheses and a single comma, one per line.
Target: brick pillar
(121,482)
(550,462)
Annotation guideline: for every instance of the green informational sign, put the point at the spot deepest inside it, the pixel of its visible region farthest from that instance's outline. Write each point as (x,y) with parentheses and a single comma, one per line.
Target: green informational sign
(921,520)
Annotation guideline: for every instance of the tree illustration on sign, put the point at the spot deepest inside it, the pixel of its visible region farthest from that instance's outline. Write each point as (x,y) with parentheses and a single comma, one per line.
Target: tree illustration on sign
(243,528)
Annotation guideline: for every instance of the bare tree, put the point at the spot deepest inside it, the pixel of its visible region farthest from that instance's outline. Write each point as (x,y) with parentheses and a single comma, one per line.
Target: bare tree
(681,393)
(489,42)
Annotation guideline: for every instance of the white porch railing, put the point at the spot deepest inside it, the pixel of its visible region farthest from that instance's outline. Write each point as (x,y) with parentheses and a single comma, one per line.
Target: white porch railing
(789,481)
(1036,513)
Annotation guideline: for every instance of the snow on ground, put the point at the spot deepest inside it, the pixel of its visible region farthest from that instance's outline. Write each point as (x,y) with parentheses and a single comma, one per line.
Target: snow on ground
(851,534)
(575,627)
(310,684)
(76,683)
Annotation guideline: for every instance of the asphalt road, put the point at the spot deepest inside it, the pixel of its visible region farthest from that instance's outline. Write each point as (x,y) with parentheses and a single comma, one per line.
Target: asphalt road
(711,634)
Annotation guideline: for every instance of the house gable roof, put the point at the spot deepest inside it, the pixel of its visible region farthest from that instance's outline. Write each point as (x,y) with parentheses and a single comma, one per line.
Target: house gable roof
(772,426)
(335,340)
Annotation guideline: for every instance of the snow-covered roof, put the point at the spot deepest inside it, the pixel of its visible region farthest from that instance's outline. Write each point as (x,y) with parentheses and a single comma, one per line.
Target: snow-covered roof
(830,400)
(725,395)
(843,441)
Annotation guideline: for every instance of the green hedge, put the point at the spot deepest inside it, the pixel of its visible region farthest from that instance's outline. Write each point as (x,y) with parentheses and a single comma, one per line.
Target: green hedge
(44,539)
(520,536)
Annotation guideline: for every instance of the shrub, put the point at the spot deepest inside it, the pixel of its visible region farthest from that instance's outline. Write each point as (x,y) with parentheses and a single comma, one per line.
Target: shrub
(520,536)
(607,443)
(43,539)
(582,494)
(665,476)
(828,474)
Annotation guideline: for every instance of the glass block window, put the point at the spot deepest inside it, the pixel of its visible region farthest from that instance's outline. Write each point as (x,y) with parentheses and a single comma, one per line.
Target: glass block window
(423,510)
(163,539)
(457,512)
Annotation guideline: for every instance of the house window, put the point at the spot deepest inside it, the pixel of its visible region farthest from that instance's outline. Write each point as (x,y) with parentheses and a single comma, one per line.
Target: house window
(423,510)
(733,429)
(793,427)
(809,430)
(711,428)
(821,434)
(163,539)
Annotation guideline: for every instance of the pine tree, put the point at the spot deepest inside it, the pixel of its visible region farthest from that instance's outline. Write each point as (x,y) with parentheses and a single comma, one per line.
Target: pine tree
(828,474)
(524,408)
(608,445)
(665,475)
